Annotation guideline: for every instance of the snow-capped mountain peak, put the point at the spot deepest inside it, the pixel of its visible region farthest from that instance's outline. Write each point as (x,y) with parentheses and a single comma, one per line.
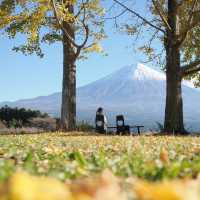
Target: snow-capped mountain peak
(136,91)
(134,72)
(142,72)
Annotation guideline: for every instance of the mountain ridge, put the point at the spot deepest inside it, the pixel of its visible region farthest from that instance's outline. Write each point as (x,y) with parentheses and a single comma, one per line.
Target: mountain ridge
(137,91)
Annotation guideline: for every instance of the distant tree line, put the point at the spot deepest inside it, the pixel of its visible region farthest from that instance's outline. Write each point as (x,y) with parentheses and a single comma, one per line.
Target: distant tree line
(18,117)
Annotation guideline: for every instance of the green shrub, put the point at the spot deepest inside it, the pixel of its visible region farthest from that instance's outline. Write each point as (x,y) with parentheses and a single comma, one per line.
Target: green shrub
(84,126)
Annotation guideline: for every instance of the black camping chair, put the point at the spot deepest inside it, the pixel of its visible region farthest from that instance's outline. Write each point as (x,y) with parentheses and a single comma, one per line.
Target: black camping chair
(100,124)
(121,127)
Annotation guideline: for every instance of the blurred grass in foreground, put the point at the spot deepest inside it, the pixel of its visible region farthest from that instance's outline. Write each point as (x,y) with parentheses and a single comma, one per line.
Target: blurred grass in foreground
(85,165)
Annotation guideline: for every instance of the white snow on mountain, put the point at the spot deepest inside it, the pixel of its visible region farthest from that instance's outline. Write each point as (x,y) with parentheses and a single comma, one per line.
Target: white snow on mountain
(142,72)
(137,91)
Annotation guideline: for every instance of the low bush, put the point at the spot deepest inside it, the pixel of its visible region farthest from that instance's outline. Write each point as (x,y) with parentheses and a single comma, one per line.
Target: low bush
(47,123)
(84,126)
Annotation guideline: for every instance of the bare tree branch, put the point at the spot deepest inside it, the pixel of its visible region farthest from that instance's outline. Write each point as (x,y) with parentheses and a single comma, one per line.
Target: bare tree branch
(139,16)
(192,71)
(116,16)
(181,2)
(62,27)
(190,25)
(86,28)
(160,12)
(82,7)
(79,47)
(191,68)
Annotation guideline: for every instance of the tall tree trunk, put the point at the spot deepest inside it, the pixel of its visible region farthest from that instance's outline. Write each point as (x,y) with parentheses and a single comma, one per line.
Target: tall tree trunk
(68,107)
(174,104)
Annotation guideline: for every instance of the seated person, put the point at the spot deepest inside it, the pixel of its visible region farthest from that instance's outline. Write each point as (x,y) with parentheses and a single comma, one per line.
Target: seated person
(100,121)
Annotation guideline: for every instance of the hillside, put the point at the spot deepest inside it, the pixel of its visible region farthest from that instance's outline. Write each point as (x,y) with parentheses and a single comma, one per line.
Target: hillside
(137,91)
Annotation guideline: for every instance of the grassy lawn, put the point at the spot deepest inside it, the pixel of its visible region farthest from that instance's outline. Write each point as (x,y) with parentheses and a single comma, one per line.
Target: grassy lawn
(66,158)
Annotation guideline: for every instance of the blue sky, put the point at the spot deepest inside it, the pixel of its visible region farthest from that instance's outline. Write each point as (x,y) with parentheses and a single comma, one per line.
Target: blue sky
(30,76)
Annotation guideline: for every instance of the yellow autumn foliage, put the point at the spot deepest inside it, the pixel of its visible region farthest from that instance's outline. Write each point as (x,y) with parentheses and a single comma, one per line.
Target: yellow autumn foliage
(164,156)
(25,187)
(40,21)
(174,190)
(96,47)
(106,186)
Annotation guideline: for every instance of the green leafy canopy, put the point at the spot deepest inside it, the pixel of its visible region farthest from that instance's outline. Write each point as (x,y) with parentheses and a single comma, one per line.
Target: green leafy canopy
(36,20)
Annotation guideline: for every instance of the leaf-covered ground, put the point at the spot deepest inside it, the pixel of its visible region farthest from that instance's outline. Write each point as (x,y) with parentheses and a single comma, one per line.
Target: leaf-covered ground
(83,167)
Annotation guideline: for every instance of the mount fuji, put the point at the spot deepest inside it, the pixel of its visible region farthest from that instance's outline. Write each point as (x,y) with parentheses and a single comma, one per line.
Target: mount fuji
(136,91)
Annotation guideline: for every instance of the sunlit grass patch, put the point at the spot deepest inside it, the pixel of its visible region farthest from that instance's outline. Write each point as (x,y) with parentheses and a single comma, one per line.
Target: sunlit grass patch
(79,156)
